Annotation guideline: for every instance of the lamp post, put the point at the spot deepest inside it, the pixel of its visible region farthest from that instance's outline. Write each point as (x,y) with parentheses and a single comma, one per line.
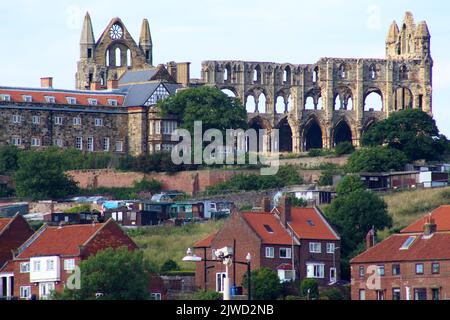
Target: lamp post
(224,256)
(334,261)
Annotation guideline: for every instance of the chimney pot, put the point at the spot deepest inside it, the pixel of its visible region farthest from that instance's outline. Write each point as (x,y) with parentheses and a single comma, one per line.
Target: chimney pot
(96,86)
(113,84)
(430,227)
(266,205)
(370,239)
(47,82)
(285,210)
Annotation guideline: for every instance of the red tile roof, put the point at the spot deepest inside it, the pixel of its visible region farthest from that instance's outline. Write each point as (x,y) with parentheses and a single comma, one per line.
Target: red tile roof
(435,248)
(309,224)
(441,216)
(61,96)
(205,243)
(3,223)
(60,241)
(259,221)
(8,267)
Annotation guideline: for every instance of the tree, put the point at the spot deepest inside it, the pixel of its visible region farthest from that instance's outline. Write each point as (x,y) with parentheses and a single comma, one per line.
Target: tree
(349,184)
(411,131)
(210,105)
(40,176)
(297,202)
(9,156)
(118,274)
(265,284)
(309,288)
(207,296)
(354,214)
(376,159)
(344,148)
(170,265)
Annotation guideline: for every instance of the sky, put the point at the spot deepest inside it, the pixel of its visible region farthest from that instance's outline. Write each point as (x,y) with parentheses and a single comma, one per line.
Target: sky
(41,37)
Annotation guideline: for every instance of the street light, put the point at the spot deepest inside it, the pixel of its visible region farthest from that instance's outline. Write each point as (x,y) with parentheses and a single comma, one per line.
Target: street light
(334,263)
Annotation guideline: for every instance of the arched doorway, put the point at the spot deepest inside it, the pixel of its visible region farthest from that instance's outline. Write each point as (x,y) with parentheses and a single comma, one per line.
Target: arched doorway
(257,124)
(313,138)
(285,136)
(342,133)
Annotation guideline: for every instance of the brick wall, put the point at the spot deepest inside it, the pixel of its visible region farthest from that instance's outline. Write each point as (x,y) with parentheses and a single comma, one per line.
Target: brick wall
(13,237)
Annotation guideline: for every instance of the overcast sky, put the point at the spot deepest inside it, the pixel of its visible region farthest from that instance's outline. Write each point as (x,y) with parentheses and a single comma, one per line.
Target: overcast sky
(40,37)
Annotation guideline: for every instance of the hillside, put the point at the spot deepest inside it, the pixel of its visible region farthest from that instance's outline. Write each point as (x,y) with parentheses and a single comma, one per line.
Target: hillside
(406,207)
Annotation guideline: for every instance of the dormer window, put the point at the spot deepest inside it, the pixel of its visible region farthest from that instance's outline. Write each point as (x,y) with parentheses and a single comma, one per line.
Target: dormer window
(112,102)
(71,100)
(27,98)
(50,99)
(93,102)
(5,97)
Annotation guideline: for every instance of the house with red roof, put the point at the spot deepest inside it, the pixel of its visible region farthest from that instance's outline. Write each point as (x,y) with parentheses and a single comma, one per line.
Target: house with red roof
(45,262)
(297,243)
(13,233)
(411,265)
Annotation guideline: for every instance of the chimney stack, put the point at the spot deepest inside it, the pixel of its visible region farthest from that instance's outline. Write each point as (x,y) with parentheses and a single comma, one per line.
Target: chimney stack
(266,205)
(113,84)
(430,227)
(47,82)
(370,239)
(96,86)
(285,210)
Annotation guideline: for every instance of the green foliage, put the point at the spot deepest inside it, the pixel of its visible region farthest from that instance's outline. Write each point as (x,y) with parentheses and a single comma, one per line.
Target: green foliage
(314,153)
(354,214)
(328,172)
(349,184)
(265,284)
(154,162)
(344,148)
(336,294)
(41,176)
(297,202)
(286,176)
(140,190)
(9,157)
(210,105)
(118,274)
(411,131)
(169,265)
(79,209)
(207,296)
(376,159)
(313,287)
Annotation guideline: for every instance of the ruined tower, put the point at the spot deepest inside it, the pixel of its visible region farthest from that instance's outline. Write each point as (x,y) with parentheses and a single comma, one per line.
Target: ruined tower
(115,52)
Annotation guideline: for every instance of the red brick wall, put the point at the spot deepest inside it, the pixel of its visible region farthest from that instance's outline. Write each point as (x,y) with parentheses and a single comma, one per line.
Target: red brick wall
(13,237)
(407,278)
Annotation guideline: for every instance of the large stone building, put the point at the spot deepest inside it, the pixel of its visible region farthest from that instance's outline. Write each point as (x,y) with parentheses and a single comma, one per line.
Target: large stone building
(314,106)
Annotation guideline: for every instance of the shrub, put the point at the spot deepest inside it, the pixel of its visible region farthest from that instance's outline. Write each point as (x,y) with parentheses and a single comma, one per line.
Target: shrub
(207,296)
(344,148)
(376,159)
(170,265)
(312,286)
(79,209)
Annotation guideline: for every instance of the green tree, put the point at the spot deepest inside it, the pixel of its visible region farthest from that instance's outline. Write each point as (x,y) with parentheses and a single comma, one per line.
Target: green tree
(265,284)
(207,296)
(349,184)
(9,157)
(169,265)
(344,148)
(119,274)
(310,285)
(376,159)
(297,202)
(41,176)
(210,105)
(354,214)
(411,131)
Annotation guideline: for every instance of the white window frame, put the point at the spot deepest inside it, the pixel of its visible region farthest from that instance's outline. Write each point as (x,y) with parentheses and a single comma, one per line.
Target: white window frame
(50,264)
(71,100)
(37,266)
(15,141)
(6,97)
(315,247)
(36,119)
(156,296)
(69,264)
(270,252)
(27,98)
(158,127)
(119,146)
(36,142)
(93,102)
(333,279)
(25,292)
(113,102)
(50,99)
(79,143)
(59,121)
(288,253)
(98,122)
(220,286)
(362,295)
(90,144)
(106,144)
(283,278)
(331,248)
(17,119)
(58,143)
(318,270)
(25,267)
(77,121)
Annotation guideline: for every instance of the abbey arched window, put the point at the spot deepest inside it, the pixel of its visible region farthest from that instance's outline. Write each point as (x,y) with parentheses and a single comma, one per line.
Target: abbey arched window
(116,32)
(373,72)
(403,72)
(342,71)
(315,75)
(129,58)
(118,57)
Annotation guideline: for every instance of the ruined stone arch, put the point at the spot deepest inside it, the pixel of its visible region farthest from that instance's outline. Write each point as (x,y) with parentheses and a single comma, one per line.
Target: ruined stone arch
(343,98)
(368,124)
(343,71)
(258,123)
(227,73)
(342,132)
(287,128)
(312,134)
(403,98)
(374,100)
(282,101)
(316,103)
(287,74)
(231,89)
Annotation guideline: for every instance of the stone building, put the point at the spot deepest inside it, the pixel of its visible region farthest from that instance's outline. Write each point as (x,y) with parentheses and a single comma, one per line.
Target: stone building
(313,105)
(320,105)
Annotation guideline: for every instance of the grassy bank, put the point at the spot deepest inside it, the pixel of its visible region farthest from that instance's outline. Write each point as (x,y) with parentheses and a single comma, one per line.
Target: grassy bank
(162,243)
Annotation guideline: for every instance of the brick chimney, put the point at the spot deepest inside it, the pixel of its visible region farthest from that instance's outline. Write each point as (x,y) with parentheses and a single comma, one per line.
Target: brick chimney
(113,84)
(96,86)
(430,227)
(183,73)
(265,205)
(285,208)
(370,239)
(47,82)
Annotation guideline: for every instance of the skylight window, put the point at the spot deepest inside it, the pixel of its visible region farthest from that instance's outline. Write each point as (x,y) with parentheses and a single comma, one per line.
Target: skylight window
(268,228)
(408,243)
(311,223)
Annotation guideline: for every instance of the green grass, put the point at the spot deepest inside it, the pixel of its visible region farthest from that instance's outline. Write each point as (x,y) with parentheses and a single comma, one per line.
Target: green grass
(408,206)
(162,243)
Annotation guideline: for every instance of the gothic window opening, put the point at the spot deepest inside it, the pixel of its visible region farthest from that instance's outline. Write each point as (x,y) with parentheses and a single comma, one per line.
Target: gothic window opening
(342,133)
(129,59)
(287,75)
(250,105)
(262,103)
(373,102)
(342,71)
(315,75)
(285,144)
(280,106)
(404,73)
(313,137)
(118,57)
(373,72)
